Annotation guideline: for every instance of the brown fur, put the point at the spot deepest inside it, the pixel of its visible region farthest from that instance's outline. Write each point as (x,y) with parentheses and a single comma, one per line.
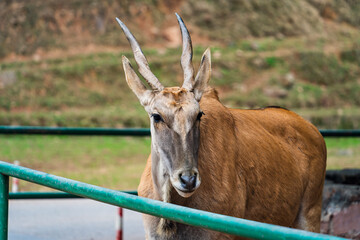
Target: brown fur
(266,165)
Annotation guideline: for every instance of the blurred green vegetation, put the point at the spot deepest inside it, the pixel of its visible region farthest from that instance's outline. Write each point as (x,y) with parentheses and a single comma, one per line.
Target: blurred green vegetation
(89,90)
(320,69)
(116,162)
(296,54)
(113,162)
(343,153)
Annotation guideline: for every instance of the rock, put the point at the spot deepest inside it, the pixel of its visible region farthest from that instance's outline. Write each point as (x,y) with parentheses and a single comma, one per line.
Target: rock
(161,51)
(279,36)
(36,57)
(258,62)
(345,152)
(275,92)
(7,78)
(347,222)
(289,80)
(217,54)
(254,46)
(341,206)
(216,73)
(239,53)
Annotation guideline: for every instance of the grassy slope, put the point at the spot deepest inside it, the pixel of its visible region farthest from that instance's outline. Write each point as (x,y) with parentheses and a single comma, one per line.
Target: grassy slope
(90,90)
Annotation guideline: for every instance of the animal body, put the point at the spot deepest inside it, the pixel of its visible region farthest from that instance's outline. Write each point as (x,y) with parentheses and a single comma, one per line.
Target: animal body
(266,165)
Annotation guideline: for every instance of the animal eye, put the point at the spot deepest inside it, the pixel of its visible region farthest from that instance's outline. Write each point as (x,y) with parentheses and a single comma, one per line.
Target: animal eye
(200,115)
(157,117)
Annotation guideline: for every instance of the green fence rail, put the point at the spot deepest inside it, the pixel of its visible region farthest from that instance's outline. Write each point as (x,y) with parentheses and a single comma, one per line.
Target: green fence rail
(74,131)
(125,131)
(50,195)
(34,130)
(194,217)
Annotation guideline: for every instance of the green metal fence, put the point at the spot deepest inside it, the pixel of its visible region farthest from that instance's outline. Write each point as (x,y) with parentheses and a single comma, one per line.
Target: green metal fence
(125,131)
(194,217)
(72,189)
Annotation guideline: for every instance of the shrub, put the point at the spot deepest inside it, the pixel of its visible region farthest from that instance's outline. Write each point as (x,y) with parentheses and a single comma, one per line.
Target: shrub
(321,69)
(352,56)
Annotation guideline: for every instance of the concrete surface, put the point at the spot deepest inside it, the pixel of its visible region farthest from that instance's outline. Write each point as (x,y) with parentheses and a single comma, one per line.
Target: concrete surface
(75,219)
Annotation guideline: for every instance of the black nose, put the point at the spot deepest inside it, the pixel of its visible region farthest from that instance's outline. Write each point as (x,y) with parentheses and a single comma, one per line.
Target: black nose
(188,182)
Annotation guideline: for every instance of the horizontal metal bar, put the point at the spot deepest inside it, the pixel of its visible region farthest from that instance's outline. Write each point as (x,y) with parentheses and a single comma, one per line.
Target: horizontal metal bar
(194,217)
(74,131)
(340,133)
(126,131)
(50,195)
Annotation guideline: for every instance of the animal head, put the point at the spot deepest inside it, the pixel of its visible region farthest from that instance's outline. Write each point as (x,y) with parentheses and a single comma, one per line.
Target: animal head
(174,112)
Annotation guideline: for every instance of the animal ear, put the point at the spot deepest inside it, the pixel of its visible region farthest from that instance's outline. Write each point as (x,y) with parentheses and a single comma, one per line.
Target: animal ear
(203,75)
(136,85)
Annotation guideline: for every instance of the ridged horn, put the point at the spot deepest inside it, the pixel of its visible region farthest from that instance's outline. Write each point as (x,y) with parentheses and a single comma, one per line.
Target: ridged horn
(140,59)
(186,56)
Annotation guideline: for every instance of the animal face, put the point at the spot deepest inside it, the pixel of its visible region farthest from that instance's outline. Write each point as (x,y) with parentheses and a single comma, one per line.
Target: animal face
(175,120)
(174,113)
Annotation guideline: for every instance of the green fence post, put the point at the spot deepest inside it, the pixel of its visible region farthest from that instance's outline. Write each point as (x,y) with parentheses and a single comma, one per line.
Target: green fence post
(4,206)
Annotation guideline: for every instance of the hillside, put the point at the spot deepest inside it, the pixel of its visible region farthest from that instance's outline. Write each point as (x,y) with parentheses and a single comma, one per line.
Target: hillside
(60,62)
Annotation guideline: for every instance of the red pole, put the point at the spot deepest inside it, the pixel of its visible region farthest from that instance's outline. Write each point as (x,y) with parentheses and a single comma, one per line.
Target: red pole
(15,181)
(119,224)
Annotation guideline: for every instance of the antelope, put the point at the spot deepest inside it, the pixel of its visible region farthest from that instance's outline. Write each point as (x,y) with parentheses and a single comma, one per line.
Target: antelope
(266,165)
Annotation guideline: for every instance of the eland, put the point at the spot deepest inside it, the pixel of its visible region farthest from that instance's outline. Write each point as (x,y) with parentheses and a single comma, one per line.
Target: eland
(266,165)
